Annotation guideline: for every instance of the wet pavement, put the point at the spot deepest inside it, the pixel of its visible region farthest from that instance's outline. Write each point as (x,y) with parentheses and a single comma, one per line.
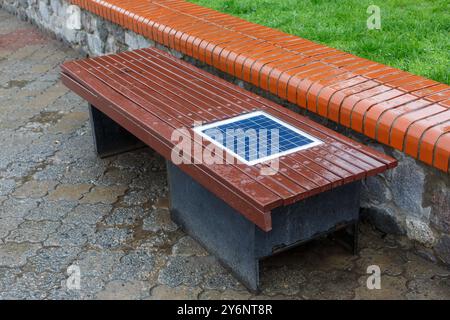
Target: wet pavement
(62,206)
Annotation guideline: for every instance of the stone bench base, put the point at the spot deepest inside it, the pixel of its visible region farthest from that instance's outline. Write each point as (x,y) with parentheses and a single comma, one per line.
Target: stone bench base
(238,243)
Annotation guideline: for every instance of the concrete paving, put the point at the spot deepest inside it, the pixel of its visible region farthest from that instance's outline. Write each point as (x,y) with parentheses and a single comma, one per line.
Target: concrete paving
(62,206)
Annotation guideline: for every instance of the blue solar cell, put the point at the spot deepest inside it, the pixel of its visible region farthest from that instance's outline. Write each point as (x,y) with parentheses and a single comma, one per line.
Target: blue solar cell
(257,137)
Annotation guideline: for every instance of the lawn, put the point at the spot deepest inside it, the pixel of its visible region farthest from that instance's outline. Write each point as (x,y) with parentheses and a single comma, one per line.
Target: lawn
(414,35)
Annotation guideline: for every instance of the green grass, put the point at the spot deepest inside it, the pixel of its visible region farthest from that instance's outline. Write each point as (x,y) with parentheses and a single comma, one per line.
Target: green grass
(415,34)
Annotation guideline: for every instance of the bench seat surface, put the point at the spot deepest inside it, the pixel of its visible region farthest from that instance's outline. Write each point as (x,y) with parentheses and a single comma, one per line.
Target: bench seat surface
(150,93)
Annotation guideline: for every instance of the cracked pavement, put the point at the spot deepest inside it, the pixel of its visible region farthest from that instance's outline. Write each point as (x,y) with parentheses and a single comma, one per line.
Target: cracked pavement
(60,205)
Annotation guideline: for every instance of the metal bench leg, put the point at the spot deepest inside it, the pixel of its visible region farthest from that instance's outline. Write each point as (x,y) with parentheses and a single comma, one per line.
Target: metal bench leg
(349,237)
(219,228)
(355,231)
(109,137)
(239,244)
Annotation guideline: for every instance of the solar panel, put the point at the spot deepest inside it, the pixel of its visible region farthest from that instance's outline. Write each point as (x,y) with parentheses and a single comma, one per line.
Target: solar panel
(256,137)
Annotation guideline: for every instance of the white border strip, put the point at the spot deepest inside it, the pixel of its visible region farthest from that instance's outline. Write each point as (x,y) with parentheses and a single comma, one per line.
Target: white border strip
(199,130)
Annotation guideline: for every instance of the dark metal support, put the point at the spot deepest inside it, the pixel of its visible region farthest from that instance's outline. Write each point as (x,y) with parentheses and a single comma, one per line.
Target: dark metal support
(349,237)
(109,137)
(355,230)
(238,243)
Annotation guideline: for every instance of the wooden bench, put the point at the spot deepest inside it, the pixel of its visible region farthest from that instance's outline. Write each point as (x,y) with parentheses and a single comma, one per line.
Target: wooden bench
(236,212)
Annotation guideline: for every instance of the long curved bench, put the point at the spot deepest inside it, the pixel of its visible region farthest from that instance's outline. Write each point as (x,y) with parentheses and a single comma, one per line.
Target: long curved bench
(399,109)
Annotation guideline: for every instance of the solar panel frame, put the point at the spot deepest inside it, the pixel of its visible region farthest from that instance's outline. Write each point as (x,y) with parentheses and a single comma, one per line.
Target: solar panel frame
(200,130)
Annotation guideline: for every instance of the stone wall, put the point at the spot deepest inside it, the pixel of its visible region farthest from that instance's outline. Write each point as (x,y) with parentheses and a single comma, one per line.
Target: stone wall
(413,199)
